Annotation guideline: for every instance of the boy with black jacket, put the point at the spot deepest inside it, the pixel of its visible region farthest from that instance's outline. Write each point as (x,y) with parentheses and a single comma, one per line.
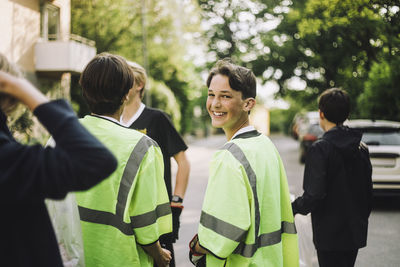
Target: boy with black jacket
(29,174)
(337,185)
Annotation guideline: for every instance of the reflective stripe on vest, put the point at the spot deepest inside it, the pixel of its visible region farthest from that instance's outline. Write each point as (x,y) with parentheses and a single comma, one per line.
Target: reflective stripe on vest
(116,220)
(268,239)
(237,234)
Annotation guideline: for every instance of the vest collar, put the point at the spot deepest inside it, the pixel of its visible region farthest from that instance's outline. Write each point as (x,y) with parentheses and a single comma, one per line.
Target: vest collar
(108,119)
(249,134)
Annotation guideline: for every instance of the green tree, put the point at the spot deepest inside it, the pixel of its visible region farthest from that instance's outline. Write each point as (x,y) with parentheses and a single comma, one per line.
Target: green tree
(319,43)
(116,27)
(381,98)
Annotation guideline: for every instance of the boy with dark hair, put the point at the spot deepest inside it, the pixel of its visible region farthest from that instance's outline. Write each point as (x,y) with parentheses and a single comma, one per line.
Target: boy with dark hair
(29,174)
(246,218)
(157,125)
(337,185)
(123,217)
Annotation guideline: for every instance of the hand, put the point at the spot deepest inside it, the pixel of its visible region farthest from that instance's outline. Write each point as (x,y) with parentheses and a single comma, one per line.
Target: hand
(176,209)
(21,90)
(198,259)
(12,85)
(164,258)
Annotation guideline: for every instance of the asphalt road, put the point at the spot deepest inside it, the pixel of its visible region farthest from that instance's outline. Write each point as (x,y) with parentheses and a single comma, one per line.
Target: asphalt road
(383,249)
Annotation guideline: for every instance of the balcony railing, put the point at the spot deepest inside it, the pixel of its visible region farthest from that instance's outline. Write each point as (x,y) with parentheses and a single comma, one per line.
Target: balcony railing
(70,55)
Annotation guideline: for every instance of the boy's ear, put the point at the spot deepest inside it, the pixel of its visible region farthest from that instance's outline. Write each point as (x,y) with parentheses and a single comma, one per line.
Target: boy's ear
(321,115)
(139,87)
(249,104)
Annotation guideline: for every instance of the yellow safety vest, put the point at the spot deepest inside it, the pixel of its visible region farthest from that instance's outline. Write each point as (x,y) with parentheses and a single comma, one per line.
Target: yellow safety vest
(247,218)
(131,207)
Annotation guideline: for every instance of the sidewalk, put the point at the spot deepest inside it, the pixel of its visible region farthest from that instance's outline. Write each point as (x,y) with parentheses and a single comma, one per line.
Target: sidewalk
(199,154)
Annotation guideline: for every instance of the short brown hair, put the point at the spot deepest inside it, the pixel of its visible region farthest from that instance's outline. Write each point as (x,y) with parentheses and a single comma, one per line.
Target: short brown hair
(240,78)
(7,102)
(140,76)
(335,104)
(105,82)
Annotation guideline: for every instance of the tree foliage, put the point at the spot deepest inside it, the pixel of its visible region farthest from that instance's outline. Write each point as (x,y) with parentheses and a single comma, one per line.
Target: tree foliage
(116,27)
(314,45)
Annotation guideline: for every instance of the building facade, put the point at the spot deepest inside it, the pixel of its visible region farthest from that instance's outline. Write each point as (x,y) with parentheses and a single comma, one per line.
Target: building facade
(36,35)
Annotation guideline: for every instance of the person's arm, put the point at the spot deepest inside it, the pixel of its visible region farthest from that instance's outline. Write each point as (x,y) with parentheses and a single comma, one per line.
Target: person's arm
(182,174)
(315,180)
(21,90)
(78,162)
(175,147)
(161,256)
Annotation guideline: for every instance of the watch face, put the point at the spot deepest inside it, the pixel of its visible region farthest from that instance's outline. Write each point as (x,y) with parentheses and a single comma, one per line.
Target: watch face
(176,199)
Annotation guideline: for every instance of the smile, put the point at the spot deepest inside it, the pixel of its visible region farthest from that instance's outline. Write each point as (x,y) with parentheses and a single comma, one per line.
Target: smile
(218,114)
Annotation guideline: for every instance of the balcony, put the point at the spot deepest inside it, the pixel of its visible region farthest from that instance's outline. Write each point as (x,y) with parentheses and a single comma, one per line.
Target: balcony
(60,56)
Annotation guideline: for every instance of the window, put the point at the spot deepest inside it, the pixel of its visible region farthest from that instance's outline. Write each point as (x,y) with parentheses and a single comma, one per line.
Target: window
(50,22)
(382,137)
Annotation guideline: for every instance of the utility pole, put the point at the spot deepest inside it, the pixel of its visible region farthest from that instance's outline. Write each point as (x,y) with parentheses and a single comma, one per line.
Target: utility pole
(144,51)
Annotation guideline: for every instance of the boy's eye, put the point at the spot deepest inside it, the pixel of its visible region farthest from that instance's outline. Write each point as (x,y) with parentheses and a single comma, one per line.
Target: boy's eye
(226,96)
(210,94)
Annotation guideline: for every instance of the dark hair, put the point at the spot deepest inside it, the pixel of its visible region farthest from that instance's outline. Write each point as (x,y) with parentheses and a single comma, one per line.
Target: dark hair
(240,78)
(105,82)
(335,104)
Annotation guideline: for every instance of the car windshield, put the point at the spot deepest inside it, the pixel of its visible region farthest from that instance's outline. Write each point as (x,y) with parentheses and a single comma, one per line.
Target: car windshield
(381,137)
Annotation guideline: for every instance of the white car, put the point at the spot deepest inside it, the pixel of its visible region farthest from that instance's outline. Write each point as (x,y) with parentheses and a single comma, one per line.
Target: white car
(383,140)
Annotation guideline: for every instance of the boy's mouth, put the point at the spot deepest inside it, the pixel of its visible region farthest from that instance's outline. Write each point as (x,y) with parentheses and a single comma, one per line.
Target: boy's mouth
(218,114)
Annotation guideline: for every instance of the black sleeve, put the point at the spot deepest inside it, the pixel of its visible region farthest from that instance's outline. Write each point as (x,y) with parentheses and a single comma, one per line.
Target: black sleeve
(78,162)
(315,180)
(174,142)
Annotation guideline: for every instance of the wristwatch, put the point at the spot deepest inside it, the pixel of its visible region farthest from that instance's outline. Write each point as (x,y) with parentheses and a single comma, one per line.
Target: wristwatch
(176,198)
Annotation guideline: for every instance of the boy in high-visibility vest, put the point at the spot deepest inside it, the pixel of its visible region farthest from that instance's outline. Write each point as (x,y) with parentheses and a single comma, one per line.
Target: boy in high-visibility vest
(246,218)
(123,217)
(156,124)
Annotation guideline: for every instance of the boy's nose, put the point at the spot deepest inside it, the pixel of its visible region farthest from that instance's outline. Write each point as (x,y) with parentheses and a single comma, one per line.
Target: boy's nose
(216,103)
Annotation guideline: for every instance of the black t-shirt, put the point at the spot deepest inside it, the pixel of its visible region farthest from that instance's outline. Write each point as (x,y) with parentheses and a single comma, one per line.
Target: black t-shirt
(157,125)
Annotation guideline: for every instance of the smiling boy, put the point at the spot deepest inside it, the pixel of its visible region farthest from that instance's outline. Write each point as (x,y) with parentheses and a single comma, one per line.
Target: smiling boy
(246,218)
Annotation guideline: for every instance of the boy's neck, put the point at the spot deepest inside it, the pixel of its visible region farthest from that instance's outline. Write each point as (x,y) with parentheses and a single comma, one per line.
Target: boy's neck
(130,109)
(328,125)
(229,133)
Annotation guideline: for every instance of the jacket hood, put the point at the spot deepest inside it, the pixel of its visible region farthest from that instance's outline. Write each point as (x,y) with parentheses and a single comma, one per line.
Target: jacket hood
(344,138)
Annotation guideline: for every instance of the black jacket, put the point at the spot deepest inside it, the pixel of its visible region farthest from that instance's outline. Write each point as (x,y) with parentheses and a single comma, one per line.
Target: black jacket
(337,190)
(29,174)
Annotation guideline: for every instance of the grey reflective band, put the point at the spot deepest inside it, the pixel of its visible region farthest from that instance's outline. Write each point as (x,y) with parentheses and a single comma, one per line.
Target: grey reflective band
(267,239)
(116,220)
(151,217)
(132,167)
(251,175)
(221,227)
(264,240)
(103,217)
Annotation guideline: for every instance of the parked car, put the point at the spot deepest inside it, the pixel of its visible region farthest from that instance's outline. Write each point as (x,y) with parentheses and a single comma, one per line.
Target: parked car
(383,140)
(301,120)
(308,134)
